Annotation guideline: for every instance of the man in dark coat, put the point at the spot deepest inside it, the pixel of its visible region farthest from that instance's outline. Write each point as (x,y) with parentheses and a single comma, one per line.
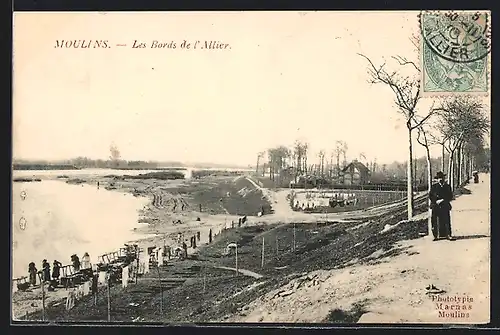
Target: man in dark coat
(440,197)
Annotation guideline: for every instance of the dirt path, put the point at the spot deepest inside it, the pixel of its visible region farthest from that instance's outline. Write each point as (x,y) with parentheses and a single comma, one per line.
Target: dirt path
(394,290)
(242,271)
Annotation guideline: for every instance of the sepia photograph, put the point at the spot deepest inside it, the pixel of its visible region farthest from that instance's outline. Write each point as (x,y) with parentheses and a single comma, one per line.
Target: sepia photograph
(318,167)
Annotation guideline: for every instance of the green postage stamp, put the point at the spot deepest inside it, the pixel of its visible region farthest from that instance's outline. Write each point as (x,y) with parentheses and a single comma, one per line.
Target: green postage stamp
(455,49)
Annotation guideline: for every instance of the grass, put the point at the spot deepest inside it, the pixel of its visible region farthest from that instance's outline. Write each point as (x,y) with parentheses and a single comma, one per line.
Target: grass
(350,316)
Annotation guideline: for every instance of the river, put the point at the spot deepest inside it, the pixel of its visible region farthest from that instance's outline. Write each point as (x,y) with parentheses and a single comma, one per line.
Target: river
(61,219)
(55,220)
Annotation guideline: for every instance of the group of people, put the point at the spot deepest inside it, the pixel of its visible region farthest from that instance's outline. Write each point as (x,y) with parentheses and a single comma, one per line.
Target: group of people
(45,272)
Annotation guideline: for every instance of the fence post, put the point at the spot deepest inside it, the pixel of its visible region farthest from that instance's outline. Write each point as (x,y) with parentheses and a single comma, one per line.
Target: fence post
(294,234)
(108,289)
(161,287)
(236,259)
(138,264)
(262,263)
(204,281)
(277,249)
(43,298)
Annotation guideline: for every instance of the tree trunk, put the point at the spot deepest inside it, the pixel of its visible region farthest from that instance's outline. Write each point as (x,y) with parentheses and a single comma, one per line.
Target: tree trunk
(443,154)
(415,175)
(429,185)
(459,166)
(450,170)
(257,168)
(409,183)
(471,164)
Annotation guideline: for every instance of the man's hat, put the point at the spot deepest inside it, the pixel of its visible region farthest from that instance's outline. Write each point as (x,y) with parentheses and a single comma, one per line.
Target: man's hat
(439,175)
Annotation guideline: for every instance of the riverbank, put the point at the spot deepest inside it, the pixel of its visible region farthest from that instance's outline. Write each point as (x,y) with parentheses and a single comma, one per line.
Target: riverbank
(210,289)
(369,267)
(205,288)
(170,207)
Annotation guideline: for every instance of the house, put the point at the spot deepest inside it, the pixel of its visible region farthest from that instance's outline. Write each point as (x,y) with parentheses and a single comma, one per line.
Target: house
(355,173)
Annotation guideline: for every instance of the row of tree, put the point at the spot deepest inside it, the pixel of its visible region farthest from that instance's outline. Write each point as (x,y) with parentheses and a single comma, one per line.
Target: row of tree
(456,124)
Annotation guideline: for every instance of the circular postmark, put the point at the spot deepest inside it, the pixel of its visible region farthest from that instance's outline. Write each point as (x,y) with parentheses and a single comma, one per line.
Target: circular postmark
(457,37)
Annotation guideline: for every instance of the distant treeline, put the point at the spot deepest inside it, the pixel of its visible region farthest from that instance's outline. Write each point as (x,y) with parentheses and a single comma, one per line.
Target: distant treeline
(44,167)
(156,168)
(88,163)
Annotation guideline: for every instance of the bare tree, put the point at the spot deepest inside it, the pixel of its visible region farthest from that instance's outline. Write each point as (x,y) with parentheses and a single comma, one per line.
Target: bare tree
(259,156)
(277,160)
(305,149)
(423,139)
(330,170)
(344,152)
(300,153)
(461,120)
(338,151)
(362,157)
(321,156)
(114,154)
(406,90)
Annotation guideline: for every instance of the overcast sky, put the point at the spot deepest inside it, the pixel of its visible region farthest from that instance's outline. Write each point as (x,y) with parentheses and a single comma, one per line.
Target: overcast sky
(287,76)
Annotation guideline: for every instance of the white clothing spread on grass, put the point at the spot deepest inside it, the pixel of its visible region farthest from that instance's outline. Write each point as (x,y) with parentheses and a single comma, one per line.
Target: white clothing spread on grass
(159,254)
(86,288)
(125,277)
(102,277)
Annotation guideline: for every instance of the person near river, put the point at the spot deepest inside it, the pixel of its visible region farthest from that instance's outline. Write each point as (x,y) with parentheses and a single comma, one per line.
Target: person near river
(56,269)
(440,197)
(76,262)
(185,248)
(32,271)
(45,271)
(210,236)
(86,261)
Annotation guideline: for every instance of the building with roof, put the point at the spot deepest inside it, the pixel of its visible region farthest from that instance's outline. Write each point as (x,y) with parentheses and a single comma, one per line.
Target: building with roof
(355,173)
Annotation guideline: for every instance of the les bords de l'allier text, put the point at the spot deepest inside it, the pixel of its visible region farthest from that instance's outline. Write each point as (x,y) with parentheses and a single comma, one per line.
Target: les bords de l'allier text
(137,44)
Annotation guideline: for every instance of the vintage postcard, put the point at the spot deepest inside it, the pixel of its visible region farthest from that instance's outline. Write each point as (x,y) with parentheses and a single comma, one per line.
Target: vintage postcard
(274,167)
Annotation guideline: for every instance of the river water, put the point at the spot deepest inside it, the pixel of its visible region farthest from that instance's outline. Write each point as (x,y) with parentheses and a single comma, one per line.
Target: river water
(56,220)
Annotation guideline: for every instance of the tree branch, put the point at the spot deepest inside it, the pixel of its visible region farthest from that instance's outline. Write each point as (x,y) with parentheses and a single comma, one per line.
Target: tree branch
(404,61)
